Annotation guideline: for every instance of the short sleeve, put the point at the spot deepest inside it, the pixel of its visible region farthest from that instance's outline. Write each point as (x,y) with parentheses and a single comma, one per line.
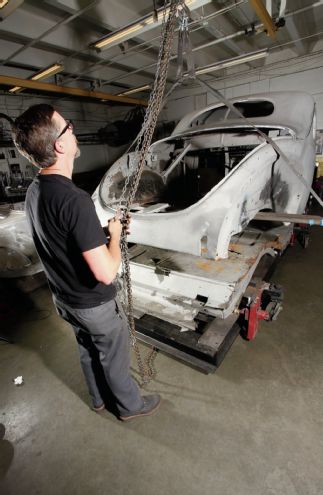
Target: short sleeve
(83,224)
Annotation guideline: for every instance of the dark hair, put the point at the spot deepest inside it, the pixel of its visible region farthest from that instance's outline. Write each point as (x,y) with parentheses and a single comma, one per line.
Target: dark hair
(34,133)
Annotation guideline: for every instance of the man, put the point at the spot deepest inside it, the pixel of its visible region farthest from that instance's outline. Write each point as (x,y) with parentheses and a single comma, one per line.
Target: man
(79,264)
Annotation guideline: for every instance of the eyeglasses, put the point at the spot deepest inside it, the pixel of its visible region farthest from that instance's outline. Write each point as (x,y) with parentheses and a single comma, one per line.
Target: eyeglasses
(69,125)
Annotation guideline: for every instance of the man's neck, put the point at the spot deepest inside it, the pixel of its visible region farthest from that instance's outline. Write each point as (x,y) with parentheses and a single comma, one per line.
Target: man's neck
(59,169)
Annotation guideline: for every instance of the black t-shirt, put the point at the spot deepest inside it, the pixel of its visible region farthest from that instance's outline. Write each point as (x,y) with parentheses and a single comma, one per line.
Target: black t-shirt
(64,224)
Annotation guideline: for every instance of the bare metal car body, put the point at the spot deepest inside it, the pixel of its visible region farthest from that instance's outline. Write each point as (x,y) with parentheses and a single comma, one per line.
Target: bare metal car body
(206,181)
(194,247)
(18,256)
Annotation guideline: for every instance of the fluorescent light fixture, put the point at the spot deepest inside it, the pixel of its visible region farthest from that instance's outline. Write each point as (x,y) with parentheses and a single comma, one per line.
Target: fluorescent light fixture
(140,26)
(231,62)
(16,89)
(8,7)
(134,90)
(50,71)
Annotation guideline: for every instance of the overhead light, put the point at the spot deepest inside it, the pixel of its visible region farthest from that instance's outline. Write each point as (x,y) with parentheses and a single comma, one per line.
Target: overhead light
(6,7)
(141,25)
(50,71)
(16,89)
(231,62)
(134,90)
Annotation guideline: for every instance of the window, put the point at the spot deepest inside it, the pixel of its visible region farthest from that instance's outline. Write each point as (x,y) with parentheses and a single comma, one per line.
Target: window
(249,109)
(15,168)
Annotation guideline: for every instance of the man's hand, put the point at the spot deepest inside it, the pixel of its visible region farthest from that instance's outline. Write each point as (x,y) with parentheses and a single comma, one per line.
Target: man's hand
(115,228)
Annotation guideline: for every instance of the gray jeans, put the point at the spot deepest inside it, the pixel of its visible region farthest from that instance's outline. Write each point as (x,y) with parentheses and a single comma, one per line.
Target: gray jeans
(103,339)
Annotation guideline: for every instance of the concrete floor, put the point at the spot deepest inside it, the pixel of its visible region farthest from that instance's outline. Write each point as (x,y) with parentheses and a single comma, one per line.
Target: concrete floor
(255,427)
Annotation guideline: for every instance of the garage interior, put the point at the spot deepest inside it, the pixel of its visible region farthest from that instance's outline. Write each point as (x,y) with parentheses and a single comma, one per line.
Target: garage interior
(253,425)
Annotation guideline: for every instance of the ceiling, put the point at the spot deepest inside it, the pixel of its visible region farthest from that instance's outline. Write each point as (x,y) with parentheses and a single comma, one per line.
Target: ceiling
(36,34)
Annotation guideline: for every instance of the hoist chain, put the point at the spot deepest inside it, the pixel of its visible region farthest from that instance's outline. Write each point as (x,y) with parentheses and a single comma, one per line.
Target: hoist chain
(146,369)
(184,50)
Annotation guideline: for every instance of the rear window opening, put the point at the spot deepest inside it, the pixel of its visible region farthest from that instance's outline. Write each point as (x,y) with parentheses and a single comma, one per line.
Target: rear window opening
(249,109)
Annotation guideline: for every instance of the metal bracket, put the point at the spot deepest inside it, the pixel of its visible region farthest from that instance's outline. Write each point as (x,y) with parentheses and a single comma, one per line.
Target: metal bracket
(265,305)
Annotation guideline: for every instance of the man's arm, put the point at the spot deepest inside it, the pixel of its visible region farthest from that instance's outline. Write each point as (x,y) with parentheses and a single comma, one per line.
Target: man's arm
(104,261)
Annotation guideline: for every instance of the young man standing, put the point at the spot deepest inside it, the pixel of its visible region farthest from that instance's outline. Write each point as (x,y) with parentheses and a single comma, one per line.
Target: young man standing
(79,264)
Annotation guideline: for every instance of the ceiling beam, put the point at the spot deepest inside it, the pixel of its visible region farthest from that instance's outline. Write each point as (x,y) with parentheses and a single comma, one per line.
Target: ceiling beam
(54,88)
(264,16)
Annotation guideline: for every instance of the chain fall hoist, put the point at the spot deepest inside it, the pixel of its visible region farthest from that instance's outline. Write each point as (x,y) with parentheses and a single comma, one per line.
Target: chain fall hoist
(170,16)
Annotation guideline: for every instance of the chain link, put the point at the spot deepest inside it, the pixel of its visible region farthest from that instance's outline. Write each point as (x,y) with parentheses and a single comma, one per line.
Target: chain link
(146,368)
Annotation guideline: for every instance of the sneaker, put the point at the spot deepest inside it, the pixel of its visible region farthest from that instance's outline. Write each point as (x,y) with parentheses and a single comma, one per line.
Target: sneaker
(151,404)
